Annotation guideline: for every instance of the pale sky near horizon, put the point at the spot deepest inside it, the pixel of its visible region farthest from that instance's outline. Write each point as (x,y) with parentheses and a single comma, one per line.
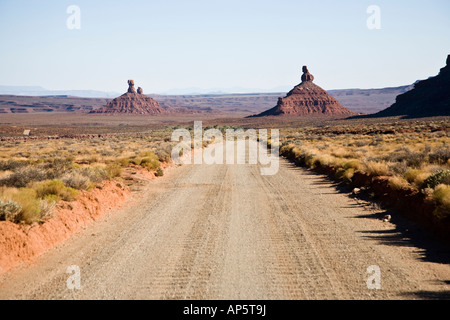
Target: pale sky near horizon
(262,44)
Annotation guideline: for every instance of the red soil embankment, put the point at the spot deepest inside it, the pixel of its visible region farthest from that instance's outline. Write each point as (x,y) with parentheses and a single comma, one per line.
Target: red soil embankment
(21,243)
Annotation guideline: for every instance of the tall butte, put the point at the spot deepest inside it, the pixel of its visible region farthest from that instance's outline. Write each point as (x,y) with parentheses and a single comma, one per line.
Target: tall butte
(307,99)
(132,102)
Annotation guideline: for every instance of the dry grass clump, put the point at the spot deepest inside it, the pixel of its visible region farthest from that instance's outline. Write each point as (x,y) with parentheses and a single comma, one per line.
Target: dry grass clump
(353,164)
(55,190)
(441,195)
(376,168)
(398,183)
(113,170)
(416,177)
(345,174)
(149,161)
(24,204)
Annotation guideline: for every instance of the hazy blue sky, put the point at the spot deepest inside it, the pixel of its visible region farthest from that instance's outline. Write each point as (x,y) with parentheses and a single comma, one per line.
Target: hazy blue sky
(209,44)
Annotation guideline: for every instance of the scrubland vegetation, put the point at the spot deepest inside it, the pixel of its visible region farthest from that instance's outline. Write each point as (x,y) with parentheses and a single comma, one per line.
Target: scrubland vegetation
(417,158)
(36,174)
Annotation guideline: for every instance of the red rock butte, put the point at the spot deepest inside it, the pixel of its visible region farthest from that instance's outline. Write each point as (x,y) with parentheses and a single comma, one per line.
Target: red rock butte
(132,102)
(307,99)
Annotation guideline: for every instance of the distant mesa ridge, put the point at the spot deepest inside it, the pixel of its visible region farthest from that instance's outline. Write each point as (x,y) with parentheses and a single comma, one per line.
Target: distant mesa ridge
(430,97)
(132,102)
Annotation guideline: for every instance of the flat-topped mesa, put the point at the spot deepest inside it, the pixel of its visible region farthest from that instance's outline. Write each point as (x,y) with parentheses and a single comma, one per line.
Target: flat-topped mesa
(307,99)
(306,76)
(132,102)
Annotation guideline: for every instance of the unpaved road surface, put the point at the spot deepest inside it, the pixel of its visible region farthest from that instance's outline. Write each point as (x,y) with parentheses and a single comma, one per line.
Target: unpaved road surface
(227,232)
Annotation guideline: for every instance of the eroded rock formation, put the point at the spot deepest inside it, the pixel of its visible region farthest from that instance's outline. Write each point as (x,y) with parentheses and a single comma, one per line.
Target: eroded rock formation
(132,102)
(306,76)
(306,99)
(131,86)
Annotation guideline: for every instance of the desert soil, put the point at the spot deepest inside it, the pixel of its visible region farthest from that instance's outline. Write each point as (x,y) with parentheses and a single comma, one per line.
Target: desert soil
(227,232)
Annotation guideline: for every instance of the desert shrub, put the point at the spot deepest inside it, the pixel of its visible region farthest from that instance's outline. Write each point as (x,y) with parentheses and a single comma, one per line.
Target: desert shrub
(376,168)
(94,174)
(310,160)
(440,156)
(164,153)
(12,165)
(46,207)
(77,181)
(411,175)
(9,210)
(31,212)
(113,170)
(376,140)
(360,143)
(296,151)
(345,174)
(441,196)
(340,173)
(398,183)
(415,176)
(159,172)
(399,168)
(124,162)
(361,150)
(58,167)
(299,156)
(55,190)
(145,154)
(106,153)
(286,149)
(406,156)
(23,176)
(352,164)
(90,160)
(135,160)
(323,161)
(340,153)
(27,200)
(323,147)
(439,177)
(150,161)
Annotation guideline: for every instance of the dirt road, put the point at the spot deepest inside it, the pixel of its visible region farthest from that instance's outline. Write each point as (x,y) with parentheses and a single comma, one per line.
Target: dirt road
(227,232)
